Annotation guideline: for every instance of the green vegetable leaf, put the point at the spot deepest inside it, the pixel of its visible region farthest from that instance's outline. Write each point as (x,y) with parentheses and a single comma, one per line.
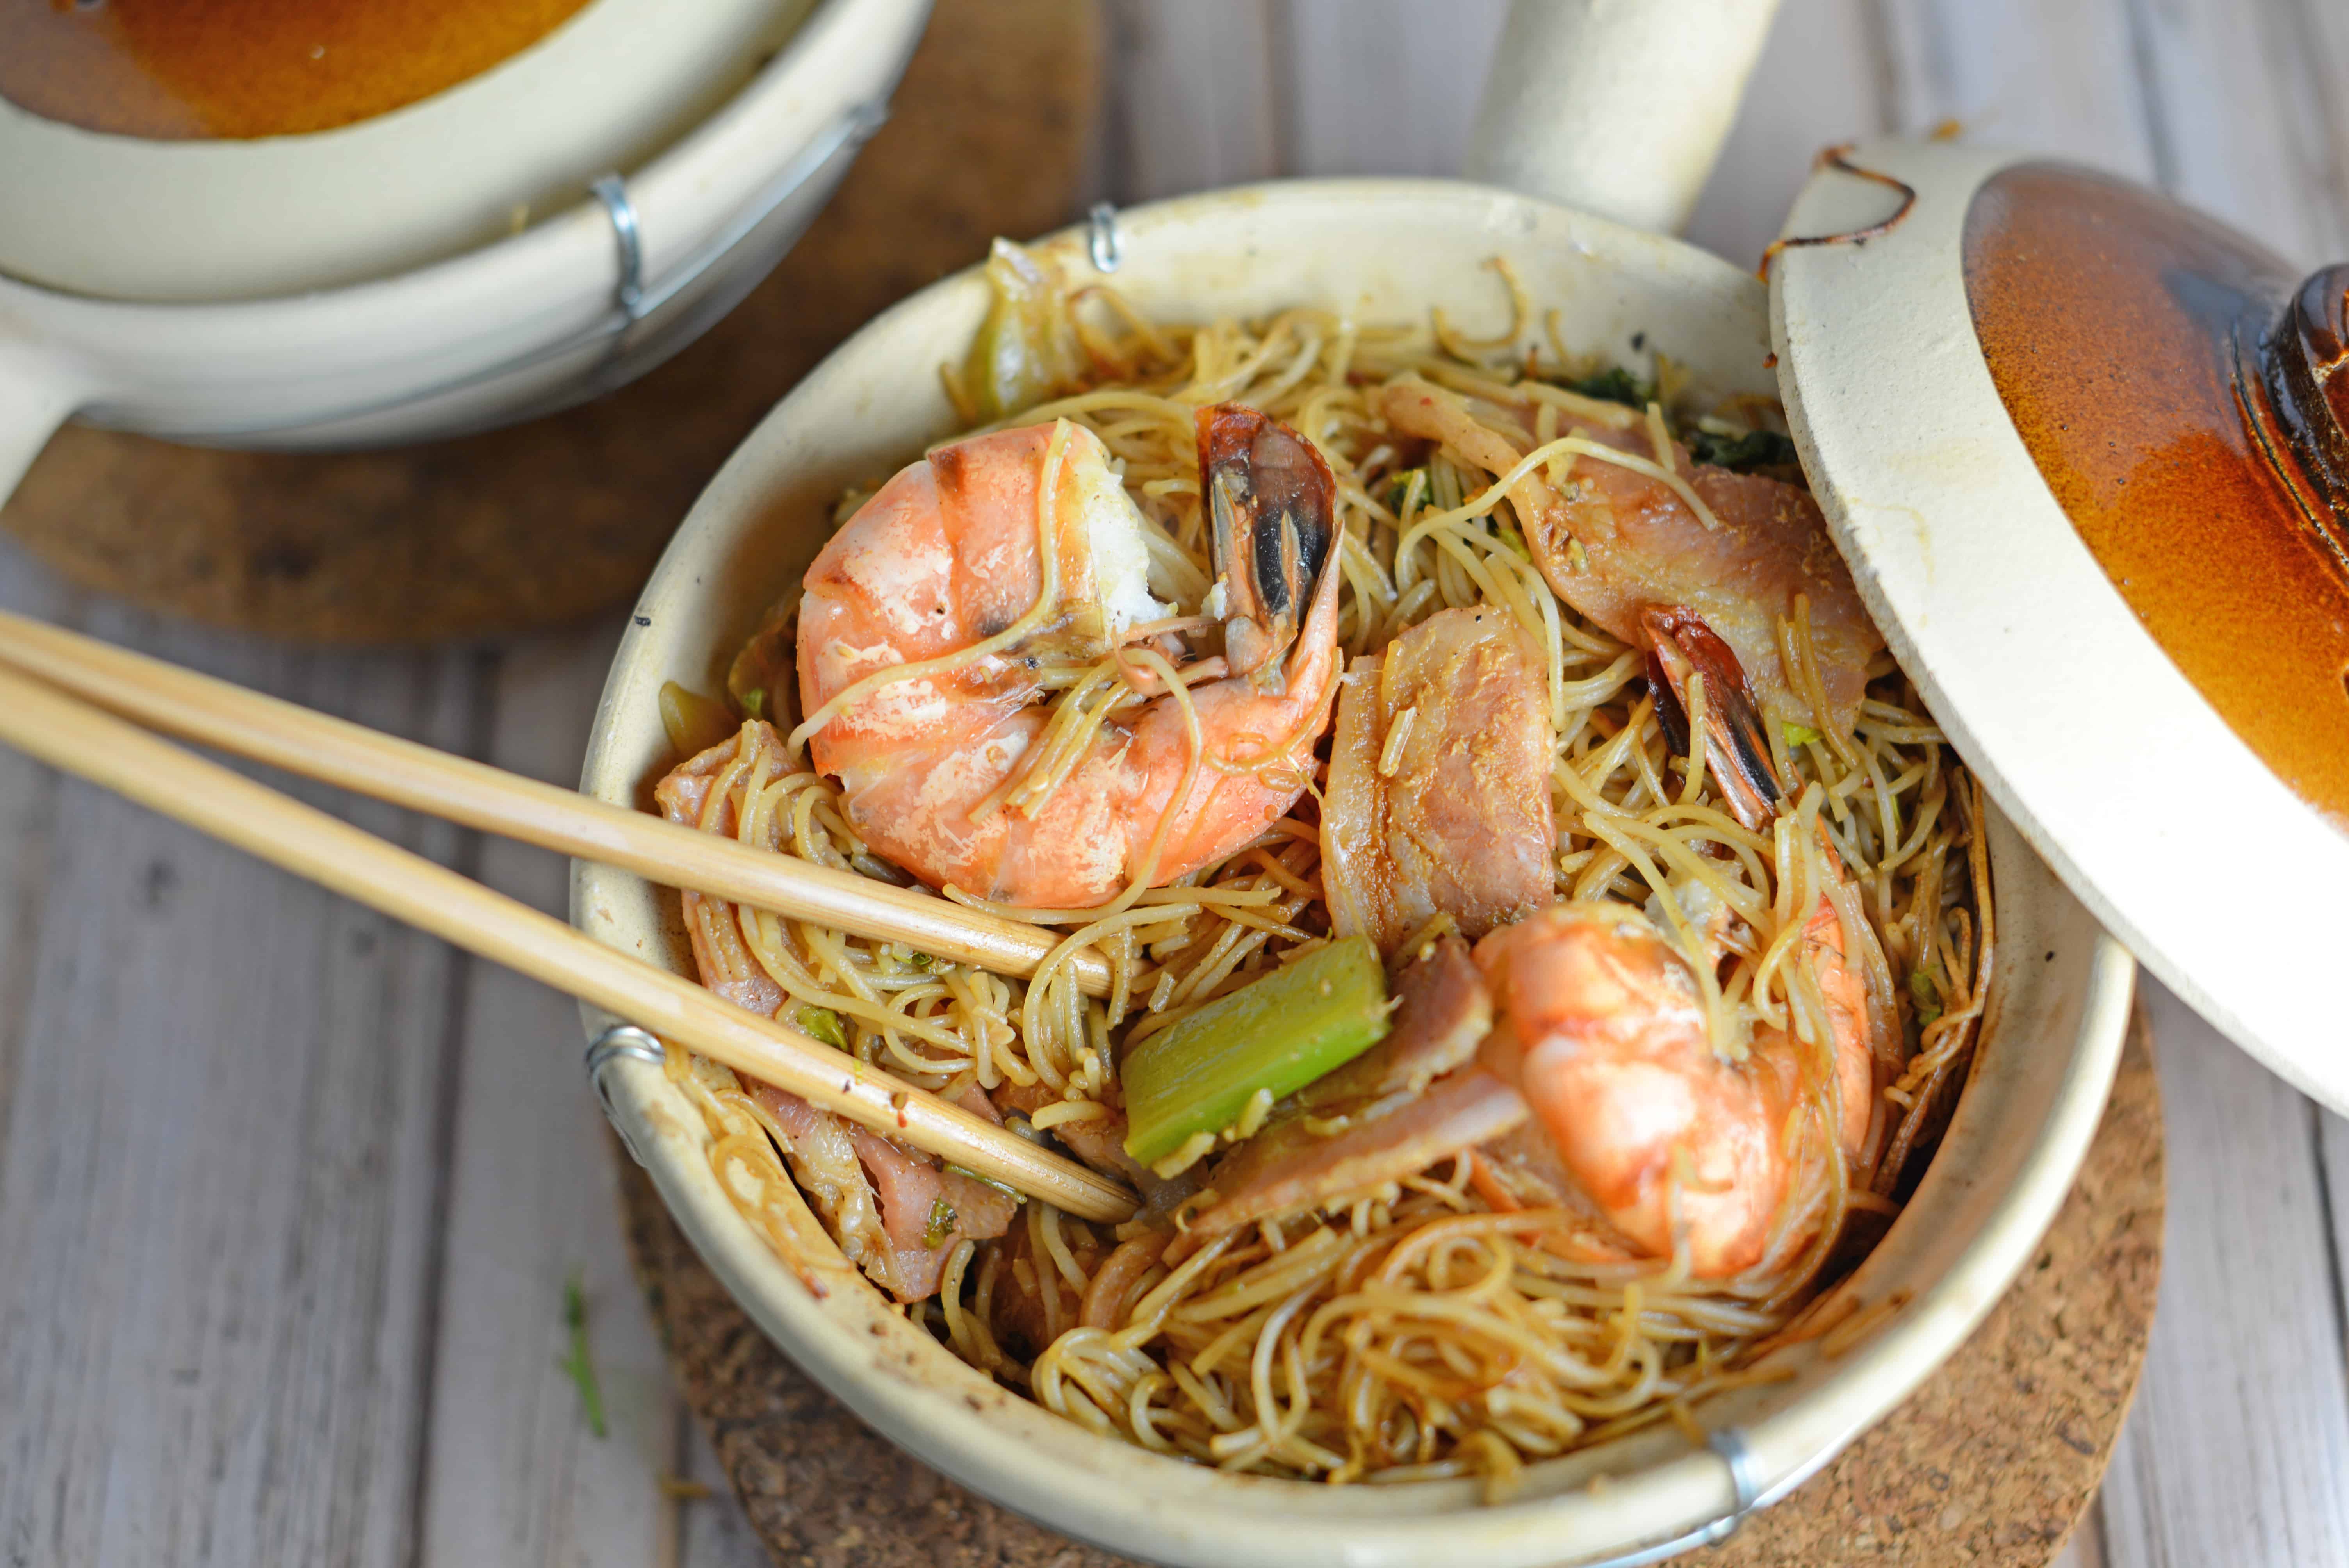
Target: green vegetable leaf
(581,1369)
(823,1024)
(1273,1036)
(1800,734)
(1616,386)
(1753,450)
(1925,994)
(942,1225)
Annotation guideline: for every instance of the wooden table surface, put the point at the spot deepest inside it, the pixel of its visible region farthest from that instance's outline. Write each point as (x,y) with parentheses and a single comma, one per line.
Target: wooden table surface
(288,1195)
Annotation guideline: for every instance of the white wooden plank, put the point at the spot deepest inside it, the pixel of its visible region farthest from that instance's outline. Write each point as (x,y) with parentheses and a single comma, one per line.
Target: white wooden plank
(1817,84)
(713,1530)
(1190,102)
(218,1175)
(2239,101)
(28,831)
(2314,52)
(2086,1547)
(513,1472)
(2055,76)
(1383,87)
(2239,1444)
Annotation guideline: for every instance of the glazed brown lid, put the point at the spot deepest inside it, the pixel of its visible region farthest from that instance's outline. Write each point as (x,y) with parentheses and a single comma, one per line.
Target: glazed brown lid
(2084,448)
(2173,382)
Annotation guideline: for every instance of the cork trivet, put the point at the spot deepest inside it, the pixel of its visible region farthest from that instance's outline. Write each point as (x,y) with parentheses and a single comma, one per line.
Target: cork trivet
(553,520)
(1990,1464)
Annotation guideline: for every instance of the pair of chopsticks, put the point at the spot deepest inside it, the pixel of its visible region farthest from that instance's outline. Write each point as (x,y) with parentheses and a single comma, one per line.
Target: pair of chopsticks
(60,696)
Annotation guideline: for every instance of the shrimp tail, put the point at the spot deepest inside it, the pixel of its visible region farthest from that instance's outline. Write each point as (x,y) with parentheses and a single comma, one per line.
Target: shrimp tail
(1272,500)
(1681,646)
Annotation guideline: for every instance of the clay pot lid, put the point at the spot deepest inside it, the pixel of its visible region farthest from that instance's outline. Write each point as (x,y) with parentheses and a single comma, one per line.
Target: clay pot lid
(2084,450)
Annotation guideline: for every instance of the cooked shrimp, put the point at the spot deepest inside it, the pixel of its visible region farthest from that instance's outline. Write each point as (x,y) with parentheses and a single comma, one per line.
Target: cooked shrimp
(1603,1028)
(998,567)
(1613,540)
(1439,797)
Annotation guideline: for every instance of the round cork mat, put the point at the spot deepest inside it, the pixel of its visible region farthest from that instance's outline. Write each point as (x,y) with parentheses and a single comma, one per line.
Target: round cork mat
(554,520)
(1989,1464)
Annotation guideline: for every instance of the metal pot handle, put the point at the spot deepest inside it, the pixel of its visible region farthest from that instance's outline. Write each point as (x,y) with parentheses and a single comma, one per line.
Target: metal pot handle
(1616,108)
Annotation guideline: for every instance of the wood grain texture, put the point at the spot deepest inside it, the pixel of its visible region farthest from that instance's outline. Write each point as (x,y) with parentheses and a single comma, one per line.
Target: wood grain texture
(219,1177)
(1351,65)
(2240,1444)
(1192,105)
(512,1473)
(1819,81)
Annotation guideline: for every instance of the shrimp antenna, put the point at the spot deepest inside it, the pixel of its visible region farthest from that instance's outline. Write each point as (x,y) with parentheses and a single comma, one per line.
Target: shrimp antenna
(1681,646)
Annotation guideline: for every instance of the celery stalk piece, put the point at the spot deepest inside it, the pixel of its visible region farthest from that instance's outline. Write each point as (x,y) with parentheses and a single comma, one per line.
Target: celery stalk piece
(1275,1035)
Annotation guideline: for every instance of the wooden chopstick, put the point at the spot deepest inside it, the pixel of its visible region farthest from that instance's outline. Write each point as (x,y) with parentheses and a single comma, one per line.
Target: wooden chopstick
(268,729)
(76,737)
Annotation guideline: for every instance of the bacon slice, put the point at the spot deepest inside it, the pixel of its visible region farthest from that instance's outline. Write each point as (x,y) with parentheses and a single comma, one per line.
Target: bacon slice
(1439,796)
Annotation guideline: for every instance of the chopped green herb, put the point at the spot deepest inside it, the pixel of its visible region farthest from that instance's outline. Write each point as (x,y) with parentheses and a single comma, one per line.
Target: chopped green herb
(581,1369)
(1012,1193)
(921,960)
(1801,734)
(1926,995)
(941,1225)
(1616,386)
(1753,450)
(1273,1036)
(1403,487)
(754,702)
(823,1024)
(1511,538)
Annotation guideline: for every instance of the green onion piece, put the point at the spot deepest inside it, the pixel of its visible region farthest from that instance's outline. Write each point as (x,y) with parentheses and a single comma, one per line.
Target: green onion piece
(1926,995)
(941,1225)
(1512,539)
(1753,450)
(1275,1035)
(1026,349)
(823,1024)
(581,1369)
(1800,734)
(1616,386)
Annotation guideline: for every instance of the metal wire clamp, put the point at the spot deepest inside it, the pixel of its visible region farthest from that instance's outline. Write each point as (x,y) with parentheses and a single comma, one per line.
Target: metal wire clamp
(1102,239)
(620,1040)
(1746,1489)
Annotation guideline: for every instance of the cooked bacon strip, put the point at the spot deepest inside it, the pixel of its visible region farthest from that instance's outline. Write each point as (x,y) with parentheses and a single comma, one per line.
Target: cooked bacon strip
(1290,1168)
(1439,796)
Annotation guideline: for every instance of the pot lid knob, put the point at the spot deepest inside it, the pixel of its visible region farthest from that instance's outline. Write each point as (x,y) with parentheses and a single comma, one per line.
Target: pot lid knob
(2304,356)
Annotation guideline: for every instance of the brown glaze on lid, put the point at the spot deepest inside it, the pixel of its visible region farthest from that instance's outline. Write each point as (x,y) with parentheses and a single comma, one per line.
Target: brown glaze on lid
(178,69)
(2173,383)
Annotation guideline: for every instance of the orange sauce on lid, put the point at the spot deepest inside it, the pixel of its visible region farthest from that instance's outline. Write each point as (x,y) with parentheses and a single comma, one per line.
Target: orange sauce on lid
(2133,342)
(180,69)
